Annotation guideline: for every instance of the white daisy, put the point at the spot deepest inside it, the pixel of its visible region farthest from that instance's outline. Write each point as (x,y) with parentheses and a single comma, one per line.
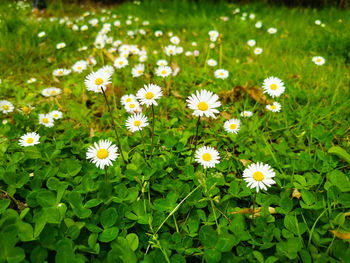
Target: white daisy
(102,153)
(275,107)
(46,120)
(84,28)
(95,81)
(318,60)
(6,106)
(29,139)
(213,34)
(251,42)
(212,62)
(318,22)
(246,114)
(162,62)
(120,62)
(31,80)
(175,40)
(136,122)
(179,50)
(127,99)
(258,24)
(204,103)
(107,69)
(138,70)
(124,48)
(79,66)
(258,51)
(41,34)
(232,126)
(273,86)
(158,33)
(143,58)
(132,107)
(163,71)
(61,45)
(272,30)
(259,176)
(207,156)
(61,72)
(221,74)
(149,94)
(56,114)
(51,92)
(170,50)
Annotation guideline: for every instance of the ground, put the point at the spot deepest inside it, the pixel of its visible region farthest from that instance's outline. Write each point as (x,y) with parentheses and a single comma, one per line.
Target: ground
(157,203)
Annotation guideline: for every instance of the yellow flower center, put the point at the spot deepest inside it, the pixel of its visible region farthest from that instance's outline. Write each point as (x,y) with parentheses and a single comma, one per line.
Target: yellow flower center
(221,73)
(137,123)
(79,68)
(140,71)
(98,81)
(203,106)
(30,140)
(258,176)
(149,95)
(233,126)
(53,92)
(206,157)
(55,115)
(60,72)
(45,120)
(170,51)
(128,99)
(163,72)
(25,109)
(273,107)
(120,62)
(318,60)
(5,107)
(102,154)
(132,106)
(273,86)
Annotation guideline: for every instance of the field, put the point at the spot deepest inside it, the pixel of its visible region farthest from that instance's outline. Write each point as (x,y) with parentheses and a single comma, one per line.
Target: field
(207,158)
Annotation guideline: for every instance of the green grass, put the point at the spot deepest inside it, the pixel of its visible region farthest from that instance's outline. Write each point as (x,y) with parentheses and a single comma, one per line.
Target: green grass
(67,212)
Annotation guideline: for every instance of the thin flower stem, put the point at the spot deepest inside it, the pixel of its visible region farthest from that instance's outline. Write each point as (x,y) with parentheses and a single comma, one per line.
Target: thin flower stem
(144,147)
(216,220)
(152,130)
(166,99)
(106,176)
(177,228)
(254,205)
(113,122)
(195,139)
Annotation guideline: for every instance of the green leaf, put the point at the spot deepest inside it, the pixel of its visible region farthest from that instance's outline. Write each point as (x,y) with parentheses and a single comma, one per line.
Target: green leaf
(108,217)
(133,241)
(212,255)
(342,153)
(109,234)
(46,198)
(290,223)
(4,204)
(207,236)
(225,242)
(258,256)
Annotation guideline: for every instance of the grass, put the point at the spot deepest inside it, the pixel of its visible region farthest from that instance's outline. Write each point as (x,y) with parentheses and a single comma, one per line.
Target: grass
(68,212)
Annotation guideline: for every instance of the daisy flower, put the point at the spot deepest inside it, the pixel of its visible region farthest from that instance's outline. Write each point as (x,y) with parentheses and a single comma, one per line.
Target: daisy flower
(138,70)
(41,34)
(162,62)
(61,45)
(132,107)
(179,50)
(212,62)
(136,122)
(175,40)
(79,66)
(251,42)
(29,139)
(84,28)
(319,61)
(258,51)
(273,86)
(127,99)
(170,50)
(163,71)
(56,114)
(26,109)
(6,106)
(232,126)
(272,30)
(143,58)
(221,74)
(246,114)
(207,156)
(213,34)
(275,107)
(158,33)
(120,62)
(61,72)
(318,22)
(46,120)
(31,80)
(51,92)
(107,69)
(102,153)
(204,103)
(124,48)
(95,81)
(259,176)
(149,94)
(258,24)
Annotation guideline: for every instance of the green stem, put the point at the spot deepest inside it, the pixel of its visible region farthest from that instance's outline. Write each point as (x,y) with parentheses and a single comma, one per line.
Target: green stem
(106,176)
(254,205)
(152,130)
(113,122)
(195,139)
